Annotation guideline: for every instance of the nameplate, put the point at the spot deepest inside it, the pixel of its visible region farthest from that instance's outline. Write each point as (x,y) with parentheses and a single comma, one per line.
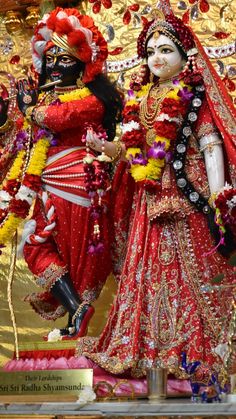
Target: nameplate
(53,382)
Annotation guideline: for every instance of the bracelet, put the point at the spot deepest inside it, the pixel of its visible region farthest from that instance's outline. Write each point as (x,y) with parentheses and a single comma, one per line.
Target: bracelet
(210,146)
(118,151)
(28,114)
(38,115)
(6,126)
(78,311)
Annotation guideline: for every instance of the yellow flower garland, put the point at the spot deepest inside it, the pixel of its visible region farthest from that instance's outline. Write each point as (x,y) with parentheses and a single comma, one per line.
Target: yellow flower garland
(7,231)
(75,95)
(35,167)
(15,169)
(39,157)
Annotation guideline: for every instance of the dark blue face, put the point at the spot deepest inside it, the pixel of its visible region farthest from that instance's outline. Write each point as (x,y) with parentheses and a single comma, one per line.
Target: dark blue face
(60,65)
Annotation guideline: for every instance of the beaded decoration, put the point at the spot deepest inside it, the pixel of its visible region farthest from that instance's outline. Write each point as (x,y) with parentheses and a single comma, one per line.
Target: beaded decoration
(97,184)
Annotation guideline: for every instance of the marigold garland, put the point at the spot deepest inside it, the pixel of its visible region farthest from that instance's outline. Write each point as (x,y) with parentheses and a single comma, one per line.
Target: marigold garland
(15,170)
(147,164)
(75,95)
(15,201)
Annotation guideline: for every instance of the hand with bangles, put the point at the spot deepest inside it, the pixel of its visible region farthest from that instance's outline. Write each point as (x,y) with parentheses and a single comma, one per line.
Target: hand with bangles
(113,149)
(27,94)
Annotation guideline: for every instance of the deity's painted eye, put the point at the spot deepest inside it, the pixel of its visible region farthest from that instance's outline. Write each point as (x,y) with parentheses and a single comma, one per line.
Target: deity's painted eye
(49,59)
(66,59)
(150,52)
(166,50)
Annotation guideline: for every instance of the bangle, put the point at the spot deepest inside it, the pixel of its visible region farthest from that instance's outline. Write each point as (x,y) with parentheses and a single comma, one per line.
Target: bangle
(6,126)
(118,151)
(210,146)
(38,115)
(28,113)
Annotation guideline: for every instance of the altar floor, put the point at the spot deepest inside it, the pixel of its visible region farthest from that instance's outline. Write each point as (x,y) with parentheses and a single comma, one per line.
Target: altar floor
(167,409)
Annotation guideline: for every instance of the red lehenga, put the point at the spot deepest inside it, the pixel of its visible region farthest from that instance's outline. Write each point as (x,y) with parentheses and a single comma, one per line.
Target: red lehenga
(67,248)
(165,303)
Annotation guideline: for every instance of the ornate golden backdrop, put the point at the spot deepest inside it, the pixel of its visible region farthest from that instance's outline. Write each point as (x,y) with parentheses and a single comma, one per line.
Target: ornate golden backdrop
(215,28)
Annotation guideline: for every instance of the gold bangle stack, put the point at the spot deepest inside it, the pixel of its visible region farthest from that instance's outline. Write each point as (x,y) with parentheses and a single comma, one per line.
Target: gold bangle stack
(118,152)
(6,126)
(28,113)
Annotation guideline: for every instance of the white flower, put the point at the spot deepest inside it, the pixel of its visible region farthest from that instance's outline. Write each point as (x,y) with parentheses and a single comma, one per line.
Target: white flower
(129,126)
(54,335)
(26,194)
(5,198)
(86,395)
(165,117)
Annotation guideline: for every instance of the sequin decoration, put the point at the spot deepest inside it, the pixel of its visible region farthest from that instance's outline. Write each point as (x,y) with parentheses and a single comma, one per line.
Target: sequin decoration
(6,44)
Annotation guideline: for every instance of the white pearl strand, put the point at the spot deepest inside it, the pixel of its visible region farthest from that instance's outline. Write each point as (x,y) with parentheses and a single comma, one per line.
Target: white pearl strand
(63,166)
(67,185)
(70,175)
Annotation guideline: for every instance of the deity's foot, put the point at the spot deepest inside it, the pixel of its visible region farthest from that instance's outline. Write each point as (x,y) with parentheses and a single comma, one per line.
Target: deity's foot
(80,321)
(77,325)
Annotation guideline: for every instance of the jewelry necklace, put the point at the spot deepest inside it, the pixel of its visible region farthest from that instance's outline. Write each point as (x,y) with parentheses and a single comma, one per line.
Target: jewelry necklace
(150,105)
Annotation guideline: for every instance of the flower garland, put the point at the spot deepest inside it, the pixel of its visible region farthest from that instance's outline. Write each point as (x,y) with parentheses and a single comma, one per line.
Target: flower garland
(146,165)
(22,183)
(72,95)
(75,95)
(23,180)
(224,203)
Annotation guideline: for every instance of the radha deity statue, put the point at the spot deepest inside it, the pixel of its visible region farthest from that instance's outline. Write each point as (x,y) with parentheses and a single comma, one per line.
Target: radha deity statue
(179,140)
(45,159)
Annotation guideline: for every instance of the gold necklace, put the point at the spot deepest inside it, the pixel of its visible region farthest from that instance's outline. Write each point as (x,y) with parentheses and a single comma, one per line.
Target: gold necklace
(148,112)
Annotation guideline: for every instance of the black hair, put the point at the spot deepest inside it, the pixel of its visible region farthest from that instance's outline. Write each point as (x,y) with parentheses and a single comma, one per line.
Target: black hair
(105,91)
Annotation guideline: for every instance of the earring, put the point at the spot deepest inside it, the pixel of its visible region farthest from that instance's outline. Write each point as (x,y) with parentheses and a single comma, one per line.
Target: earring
(79,82)
(151,78)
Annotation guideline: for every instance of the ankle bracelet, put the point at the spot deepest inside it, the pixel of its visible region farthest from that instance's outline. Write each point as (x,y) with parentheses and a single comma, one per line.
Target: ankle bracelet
(78,311)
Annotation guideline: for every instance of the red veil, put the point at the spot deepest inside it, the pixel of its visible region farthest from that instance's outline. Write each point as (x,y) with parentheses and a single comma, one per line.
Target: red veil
(221,106)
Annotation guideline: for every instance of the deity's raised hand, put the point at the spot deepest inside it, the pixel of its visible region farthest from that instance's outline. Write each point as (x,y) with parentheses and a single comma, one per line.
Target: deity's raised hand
(27,94)
(4,103)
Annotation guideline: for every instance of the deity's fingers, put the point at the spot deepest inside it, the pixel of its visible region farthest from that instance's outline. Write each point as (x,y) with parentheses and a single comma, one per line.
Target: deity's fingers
(26,84)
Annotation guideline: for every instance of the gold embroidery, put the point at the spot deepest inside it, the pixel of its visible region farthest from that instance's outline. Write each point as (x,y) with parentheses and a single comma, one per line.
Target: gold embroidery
(166,178)
(195,279)
(166,247)
(206,129)
(51,274)
(162,319)
(167,205)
